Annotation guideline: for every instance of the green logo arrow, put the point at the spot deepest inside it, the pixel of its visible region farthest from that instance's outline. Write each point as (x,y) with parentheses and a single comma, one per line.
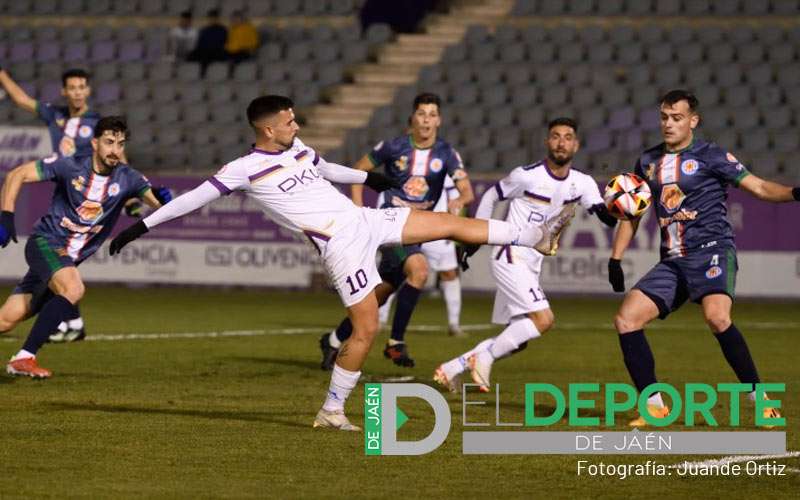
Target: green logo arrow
(401,419)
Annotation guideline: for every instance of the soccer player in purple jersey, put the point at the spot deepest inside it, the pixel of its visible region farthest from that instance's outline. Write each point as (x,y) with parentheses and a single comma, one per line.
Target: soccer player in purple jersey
(689,179)
(420,161)
(89,196)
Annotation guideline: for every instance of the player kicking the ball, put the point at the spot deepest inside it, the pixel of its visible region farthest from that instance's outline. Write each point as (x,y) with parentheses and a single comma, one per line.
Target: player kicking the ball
(293,186)
(538,192)
(689,179)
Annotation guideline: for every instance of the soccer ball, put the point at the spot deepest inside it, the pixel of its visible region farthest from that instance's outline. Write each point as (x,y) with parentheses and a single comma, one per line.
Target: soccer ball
(627,196)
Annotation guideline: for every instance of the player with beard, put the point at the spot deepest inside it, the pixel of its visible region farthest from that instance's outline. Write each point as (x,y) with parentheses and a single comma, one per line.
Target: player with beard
(89,196)
(537,193)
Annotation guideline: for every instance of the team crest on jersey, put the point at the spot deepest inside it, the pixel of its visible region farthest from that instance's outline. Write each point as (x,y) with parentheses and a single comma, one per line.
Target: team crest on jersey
(113,189)
(672,197)
(85,131)
(713,272)
(416,187)
(67,146)
(650,171)
(79,183)
(436,165)
(689,167)
(89,211)
(60,122)
(401,163)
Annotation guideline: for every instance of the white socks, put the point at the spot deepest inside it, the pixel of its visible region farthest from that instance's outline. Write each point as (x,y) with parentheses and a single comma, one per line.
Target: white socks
(22,354)
(385,309)
(515,334)
(452,298)
(460,364)
(342,383)
(656,400)
(505,233)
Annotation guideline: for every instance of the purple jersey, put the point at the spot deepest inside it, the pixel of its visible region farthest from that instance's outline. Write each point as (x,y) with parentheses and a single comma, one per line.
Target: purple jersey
(71,136)
(690,188)
(422,171)
(85,205)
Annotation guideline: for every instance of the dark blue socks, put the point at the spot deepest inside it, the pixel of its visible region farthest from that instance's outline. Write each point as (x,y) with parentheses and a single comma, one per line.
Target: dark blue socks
(407,298)
(55,311)
(638,359)
(738,355)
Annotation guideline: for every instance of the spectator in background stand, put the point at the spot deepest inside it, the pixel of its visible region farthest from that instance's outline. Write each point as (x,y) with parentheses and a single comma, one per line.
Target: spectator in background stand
(242,39)
(182,38)
(210,43)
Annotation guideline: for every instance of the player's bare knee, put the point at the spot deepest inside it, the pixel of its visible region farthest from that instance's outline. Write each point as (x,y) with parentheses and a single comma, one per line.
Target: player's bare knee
(74,291)
(544,320)
(6,324)
(625,323)
(417,274)
(448,275)
(718,322)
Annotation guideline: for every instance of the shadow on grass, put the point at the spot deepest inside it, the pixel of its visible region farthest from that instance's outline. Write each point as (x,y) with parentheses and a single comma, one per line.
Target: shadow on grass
(247,416)
(294,363)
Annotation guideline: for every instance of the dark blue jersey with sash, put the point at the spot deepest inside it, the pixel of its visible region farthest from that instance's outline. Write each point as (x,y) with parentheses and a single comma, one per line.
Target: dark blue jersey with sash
(421,171)
(71,136)
(690,188)
(85,204)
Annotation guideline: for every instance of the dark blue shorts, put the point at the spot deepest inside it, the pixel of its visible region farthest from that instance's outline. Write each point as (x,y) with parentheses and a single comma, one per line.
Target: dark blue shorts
(43,261)
(392,261)
(702,272)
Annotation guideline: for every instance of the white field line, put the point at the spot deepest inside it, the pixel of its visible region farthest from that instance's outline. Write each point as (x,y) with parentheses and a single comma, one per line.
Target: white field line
(732,459)
(749,325)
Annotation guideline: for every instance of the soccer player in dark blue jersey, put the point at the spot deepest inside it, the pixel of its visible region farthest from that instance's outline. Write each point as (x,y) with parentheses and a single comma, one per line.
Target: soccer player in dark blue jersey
(419,161)
(89,196)
(71,127)
(689,179)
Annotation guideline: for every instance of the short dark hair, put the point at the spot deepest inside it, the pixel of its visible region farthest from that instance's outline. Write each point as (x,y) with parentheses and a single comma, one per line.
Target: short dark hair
(674,96)
(116,124)
(213,13)
(267,105)
(563,120)
(74,73)
(427,98)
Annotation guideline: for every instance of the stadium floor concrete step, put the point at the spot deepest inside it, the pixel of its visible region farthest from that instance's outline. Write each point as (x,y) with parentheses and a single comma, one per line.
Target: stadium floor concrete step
(322,139)
(427,40)
(382,74)
(367,93)
(339,116)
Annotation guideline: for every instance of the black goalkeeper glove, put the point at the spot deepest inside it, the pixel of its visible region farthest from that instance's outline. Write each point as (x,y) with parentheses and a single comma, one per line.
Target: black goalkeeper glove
(615,275)
(464,252)
(379,182)
(8,232)
(131,233)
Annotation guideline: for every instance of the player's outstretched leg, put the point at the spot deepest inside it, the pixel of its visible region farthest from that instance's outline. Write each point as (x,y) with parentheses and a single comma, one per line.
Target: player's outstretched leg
(717,313)
(68,287)
(636,311)
(347,370)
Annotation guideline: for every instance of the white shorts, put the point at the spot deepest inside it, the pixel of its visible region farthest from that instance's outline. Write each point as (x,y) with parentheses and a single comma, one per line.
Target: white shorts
(441,255)
(516,272)
(349,256)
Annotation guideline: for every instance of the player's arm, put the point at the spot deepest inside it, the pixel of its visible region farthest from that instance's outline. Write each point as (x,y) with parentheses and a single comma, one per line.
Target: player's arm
(768,190)
(622,239)
(344,175)
(188,202)
(19,96)
(465,195)
(357,190)
(25,173)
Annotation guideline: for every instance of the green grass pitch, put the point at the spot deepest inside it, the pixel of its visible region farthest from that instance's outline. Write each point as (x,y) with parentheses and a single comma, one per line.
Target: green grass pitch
(199,417)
